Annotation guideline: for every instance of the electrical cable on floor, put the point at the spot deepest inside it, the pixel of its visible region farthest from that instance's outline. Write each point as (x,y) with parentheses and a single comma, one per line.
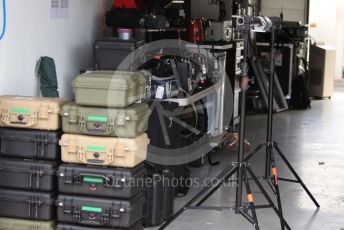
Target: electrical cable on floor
(2,34)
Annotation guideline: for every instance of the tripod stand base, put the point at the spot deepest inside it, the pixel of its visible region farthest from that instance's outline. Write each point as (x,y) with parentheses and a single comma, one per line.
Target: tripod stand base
(210,189)
(274,146)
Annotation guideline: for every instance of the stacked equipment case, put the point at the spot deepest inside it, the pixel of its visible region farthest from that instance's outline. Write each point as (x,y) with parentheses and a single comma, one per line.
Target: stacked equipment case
(103,146)
(30,155)
(108,55)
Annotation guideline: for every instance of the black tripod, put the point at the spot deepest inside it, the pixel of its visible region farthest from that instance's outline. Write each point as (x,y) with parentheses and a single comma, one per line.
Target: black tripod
(271,175)
(243,167)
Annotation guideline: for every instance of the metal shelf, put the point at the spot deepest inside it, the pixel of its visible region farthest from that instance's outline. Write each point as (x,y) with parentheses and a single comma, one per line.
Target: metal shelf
(196,97)
(215,47)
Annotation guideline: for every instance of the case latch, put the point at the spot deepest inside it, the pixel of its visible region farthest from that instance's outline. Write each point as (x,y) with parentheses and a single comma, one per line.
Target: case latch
(105,218)
(44,112)
(76,214)
(117,212)
(34,204)
(121,151)
(35,175)
(73,117)
(71,146)
(120,119)
(82,124)
(68,176)
(111,126)
(82,155)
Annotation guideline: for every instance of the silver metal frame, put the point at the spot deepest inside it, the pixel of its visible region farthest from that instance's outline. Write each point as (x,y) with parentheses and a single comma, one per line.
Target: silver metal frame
(291,47)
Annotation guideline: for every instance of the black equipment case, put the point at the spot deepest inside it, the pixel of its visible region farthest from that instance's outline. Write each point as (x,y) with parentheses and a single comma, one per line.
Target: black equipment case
(109,53)
(101,181)
(27,205)
(159,193)
(99,212)
(152,208)
(181,173)
(137,226)
(33,144)
(28,174)
(159,198)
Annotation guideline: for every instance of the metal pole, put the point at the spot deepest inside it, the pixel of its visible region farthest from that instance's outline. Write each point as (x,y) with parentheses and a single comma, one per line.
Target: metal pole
(270,107)
(244,85)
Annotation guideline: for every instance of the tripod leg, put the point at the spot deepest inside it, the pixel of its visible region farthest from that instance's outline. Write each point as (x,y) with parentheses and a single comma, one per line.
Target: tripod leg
(238,201)
(268,160)
(257,149)
(278,194)
(296,175)
(250,199)
(266,195)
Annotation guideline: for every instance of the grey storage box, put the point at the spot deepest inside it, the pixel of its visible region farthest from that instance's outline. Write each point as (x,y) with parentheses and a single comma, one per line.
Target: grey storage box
(123,122)
(109,88)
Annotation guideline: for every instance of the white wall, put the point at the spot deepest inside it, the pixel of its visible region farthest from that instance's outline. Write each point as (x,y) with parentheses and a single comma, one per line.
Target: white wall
(329,19)
(340,39)
(293,10)
(31,34)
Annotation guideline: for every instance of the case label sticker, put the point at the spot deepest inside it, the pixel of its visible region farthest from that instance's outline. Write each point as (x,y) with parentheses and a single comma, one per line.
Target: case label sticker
(97,118)
(91,209)
(93,180)
(20,111)
(95,148)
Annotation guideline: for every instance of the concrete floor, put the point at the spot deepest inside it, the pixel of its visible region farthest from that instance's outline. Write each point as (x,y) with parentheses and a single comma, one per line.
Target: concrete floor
(313,141)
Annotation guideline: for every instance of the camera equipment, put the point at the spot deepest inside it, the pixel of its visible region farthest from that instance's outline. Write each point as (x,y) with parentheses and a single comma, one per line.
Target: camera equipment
(219,31)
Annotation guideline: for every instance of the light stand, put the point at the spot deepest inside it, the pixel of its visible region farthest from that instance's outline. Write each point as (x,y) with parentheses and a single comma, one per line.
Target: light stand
(243,167)
(270,166)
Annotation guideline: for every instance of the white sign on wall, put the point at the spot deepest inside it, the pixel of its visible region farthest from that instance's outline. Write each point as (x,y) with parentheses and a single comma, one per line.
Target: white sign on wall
(59,9)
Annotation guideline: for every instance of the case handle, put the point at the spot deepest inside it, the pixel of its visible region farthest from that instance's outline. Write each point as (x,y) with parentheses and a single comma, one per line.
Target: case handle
(94,178)
(96,218)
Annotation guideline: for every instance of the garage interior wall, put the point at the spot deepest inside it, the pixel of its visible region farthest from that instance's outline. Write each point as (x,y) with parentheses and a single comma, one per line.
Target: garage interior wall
(293,10)
(31,33)
(329,19)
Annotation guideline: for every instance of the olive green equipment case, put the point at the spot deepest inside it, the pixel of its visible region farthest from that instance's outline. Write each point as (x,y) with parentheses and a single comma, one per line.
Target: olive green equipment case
(109,88)
(19,224)
(107,151)
(30,112)
(116,122)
